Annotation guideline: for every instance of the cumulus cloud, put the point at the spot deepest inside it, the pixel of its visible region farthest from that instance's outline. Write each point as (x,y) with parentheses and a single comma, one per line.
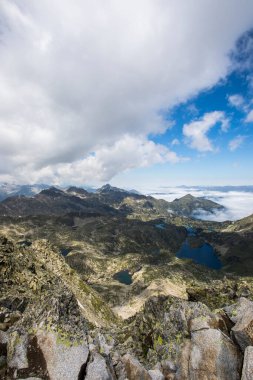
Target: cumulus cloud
(236,100)
(249,117)
(239,102)
(196,131)
(175,142)
(236,143)
(126,153)
(77,77)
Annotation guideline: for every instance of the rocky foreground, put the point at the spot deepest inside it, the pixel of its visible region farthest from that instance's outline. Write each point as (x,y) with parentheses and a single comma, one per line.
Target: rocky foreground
(54,326)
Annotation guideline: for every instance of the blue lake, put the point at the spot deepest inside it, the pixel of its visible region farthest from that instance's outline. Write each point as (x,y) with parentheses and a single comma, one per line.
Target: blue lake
(124,277)
(204,255)
(64,251)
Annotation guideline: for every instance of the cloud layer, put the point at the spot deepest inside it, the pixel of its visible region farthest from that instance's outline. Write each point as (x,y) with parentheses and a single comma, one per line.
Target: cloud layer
(80,79)
(238,204)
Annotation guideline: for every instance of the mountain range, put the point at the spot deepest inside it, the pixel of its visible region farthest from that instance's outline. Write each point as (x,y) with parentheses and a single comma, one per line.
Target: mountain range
(94,286)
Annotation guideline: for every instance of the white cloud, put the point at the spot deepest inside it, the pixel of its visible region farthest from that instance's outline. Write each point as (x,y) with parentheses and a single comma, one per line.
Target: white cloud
(175,142)
(238,204)
(249,117)
(77,77)
(196,131)
(192,109)
(128,152)
(236,143)
(236,100)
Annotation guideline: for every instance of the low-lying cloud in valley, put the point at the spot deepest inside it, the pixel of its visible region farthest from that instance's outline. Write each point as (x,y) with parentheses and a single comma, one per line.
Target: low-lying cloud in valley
(238,204)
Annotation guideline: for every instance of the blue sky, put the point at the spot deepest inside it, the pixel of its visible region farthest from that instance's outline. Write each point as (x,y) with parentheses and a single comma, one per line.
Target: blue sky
(230,161)
(132,93)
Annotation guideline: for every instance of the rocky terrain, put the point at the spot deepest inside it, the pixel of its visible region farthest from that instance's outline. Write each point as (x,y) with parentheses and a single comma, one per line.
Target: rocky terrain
(91,288)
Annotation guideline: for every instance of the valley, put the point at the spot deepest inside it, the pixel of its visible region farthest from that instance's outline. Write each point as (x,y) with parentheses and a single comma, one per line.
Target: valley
(126,262)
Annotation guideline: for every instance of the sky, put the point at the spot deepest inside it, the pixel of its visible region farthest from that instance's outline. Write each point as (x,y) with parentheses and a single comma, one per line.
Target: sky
(153,92)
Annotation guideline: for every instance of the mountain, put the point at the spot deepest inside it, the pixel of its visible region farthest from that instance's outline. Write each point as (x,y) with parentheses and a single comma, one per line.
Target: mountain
(8,190)
(191,206)
(91,288)
(77,191)
(53,201)
(243,225)
(106,189)
(128,200)
(235,242)
(114,195)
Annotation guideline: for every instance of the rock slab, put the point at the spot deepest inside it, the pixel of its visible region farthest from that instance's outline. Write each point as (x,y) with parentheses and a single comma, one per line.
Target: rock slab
(247,371)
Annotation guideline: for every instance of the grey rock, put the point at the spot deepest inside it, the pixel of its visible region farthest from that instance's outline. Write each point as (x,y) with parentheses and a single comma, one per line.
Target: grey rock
(213,321)
(134,370)
(247,371)
(63,362)
(102,343)
(237,310)
(168,368)
(210,355)
(17,351)
(156,374)
(98,369)
(243,330)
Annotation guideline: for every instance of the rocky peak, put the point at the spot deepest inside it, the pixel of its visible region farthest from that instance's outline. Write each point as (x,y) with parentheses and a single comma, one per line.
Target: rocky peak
(77,190)
(108,188)
(52,192)
(187,197)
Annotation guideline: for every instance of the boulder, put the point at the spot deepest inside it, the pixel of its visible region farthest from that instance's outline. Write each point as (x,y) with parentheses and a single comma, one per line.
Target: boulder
(183,369)
(98,369)
(210,355)
(213,321)
(156,374)
(243,329)
(63,360)
(168,368)
(17,351)
(237,310)
(247,371)
(134,370)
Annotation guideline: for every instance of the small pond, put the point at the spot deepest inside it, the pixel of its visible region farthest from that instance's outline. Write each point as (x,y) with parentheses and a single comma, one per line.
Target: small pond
(25,243)
(204,254)
(64,251)
(124,277)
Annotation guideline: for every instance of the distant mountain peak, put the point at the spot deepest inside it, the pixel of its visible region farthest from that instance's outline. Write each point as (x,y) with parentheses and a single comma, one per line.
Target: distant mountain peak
(188,205)
(186,197)
(108,188)
(77,190)
(52,192)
